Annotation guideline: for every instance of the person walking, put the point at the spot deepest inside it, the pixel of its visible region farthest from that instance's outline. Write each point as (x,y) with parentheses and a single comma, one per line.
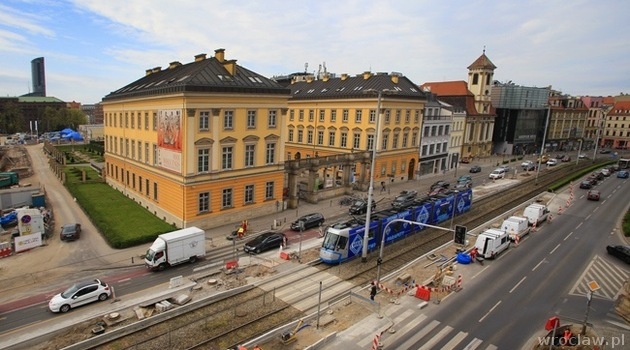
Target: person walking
(383,189)
(373,292)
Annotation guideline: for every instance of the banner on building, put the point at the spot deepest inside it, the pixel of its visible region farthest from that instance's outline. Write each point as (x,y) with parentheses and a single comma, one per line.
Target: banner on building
(170,139)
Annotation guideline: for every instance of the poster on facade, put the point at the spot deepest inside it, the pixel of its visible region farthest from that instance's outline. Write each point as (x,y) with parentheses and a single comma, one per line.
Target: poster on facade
(170,139)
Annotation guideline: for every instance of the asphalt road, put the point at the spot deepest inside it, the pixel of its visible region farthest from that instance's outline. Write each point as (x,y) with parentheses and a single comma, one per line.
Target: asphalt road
(509,300)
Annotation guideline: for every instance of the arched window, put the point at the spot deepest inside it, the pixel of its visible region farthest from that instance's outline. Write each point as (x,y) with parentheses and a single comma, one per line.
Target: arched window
(475,79)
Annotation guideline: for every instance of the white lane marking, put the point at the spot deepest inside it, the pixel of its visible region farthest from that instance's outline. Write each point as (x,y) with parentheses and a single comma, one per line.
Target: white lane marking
(519,282)
(578,226)
(488,313)
(569,235)
(478,273)
(535,267)
(554,249)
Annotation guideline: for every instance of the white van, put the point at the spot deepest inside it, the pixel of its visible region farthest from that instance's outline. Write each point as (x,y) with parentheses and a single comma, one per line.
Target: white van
(536,213)
(516,226)
(492,242)
(497,173)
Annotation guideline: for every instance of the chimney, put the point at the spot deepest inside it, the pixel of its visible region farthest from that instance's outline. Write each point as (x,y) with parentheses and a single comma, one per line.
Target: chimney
(326,77)
(344,76)
(200,57)
(309,79)
(395,79)
(366,75)
(157,69)
(230,66)
(219,54)
(148,71)
(174,64)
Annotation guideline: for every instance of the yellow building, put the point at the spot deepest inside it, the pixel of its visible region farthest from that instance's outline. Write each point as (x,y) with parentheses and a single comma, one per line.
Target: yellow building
(338,116)
(198,144)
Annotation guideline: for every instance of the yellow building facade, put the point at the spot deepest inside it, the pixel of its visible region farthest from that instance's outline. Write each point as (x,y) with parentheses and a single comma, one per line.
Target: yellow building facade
(339,115)
(198,144)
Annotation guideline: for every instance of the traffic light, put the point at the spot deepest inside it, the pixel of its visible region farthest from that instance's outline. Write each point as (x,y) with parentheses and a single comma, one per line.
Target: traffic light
(460,235)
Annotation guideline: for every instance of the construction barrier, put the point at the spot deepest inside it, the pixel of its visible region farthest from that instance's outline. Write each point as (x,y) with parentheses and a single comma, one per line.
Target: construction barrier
(534,226)
(4,252)
(376,342)
(550,218)
(517,239)
(423,293)
(560,210)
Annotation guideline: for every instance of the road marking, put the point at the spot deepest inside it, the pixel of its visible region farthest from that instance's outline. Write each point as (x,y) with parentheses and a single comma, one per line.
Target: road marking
(488,313)
(596,208)
(455,340)
(588,217)
(519,282)
(491,347)
(441,334)
(473,344)
(123,280)
(421,334)
(478,273)
(554,249)
(535,267)
(578,226)
(567,236)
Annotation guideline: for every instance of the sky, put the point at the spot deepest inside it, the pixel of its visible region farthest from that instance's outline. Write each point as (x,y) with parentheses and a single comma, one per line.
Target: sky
(94,47)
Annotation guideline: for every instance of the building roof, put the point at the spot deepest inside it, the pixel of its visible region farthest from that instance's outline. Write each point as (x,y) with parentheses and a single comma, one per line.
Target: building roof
(620,108)
(483,62)
(448,88)
(40,99)
(347,86)
(212,74)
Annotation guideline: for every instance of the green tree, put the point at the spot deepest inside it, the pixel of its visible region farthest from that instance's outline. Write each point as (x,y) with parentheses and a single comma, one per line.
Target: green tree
(10,117)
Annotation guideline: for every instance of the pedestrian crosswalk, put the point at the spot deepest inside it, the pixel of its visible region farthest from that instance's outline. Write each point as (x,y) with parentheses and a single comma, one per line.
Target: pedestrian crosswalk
(608,276)
(420,333)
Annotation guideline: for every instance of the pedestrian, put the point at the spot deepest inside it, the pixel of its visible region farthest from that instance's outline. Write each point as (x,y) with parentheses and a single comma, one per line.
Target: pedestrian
(473,254)
(383,189)
(373,292)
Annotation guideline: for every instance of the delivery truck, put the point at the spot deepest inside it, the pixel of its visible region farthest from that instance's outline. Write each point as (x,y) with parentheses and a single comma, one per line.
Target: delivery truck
(536,213)
(168,249)
(516,226)
(491,243)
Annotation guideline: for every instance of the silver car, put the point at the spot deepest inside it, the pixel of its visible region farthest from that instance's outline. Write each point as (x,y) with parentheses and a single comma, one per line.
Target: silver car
(80,294)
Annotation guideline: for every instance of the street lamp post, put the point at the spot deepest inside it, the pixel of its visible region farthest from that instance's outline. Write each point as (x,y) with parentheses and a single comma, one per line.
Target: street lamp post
(542,148)
(600,123)
(368,212)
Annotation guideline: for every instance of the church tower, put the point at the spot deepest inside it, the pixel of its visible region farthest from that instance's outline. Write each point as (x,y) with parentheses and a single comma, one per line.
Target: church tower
(480,74)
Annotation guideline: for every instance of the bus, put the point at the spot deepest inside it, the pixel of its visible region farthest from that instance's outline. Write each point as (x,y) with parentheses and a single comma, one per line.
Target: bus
(624,163)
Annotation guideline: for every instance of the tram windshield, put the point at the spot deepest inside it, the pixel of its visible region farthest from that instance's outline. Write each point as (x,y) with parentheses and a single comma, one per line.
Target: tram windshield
(330,241)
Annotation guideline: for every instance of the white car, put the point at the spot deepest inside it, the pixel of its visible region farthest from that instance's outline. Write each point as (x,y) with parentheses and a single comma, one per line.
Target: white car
(552,162)
(528,165)
(581,156)
(80,294)
(498,173)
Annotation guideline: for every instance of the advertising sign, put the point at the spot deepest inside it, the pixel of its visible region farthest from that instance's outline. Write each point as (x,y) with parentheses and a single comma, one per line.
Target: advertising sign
(30,221)
(23,243)
(170,139)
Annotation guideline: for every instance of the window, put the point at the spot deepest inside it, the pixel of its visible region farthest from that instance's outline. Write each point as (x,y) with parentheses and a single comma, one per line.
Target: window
(226,198)
(133,120)
(251,119)
(146,182)
(322,115)
(440,130)
(394,168)
(344,139)
(204,202)
(446,130)
(126,120)
(203,160)
(300,136)
(331,138)
(226,157)
(228,120)
(320,137)
(311,115)
(344,117)
(416,117)
(290,135)
(204,121)
(434,130)
(269,189)
(250,151)
(398,116)
(140,184)
(395,141)
(370,142)
(387,116)
(155,123)
(372,117)
(140,151)
(249,194)
(270,155)
(424,150)
(475,79)
(139,121)
(301,117)
(385,141)
(133,149)
(358,115)
(272,118)
(146,152)
(292,115)
(309,137)
(383,169)
(155,191)
(155,154)
(407,116)
(404,140)
(333,115)
(146,121)
(356,141)
(126,147)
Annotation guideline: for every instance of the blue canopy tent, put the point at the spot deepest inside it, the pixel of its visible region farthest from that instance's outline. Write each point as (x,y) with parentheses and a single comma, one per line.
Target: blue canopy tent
(66,131)
(73,136)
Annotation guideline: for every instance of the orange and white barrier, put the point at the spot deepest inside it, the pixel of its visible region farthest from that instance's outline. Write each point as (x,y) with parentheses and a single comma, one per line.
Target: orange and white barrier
(376,342)
(517,239)
(534,226)
(4,252)
(560,210)
(550,218)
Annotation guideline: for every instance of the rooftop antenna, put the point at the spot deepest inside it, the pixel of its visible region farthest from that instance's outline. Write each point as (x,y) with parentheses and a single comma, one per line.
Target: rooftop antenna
(484,49)
(306,67)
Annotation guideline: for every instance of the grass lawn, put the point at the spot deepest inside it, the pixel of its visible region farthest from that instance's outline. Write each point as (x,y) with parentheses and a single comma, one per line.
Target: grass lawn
(122,221)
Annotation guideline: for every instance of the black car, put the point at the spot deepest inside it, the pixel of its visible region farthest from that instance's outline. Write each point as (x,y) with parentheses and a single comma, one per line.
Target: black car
(70,232)
(442,184)
(404,199)
(360,206)
(619,251)
(264,242)
(309,220)
(587,185)
(475,169)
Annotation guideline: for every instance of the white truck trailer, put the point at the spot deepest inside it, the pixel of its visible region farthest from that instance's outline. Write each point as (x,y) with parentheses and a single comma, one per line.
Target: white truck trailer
(168,249)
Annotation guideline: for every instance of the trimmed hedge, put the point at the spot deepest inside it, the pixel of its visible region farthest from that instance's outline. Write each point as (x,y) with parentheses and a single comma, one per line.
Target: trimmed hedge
(578,174)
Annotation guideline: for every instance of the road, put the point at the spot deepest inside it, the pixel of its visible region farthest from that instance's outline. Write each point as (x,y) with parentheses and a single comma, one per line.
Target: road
(509,299)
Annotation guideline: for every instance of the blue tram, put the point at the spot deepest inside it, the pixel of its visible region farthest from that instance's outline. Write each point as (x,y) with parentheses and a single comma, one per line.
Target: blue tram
(344,240)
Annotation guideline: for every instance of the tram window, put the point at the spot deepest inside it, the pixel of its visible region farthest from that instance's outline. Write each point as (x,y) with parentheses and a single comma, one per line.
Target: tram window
(330,241)
(341,244)
(397,226)
(371,233)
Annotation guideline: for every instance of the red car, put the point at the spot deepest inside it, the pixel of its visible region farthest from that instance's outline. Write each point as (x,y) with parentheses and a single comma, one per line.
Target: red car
(593,195)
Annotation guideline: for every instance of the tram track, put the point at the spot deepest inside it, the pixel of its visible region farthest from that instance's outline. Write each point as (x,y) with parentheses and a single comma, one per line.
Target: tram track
(257,309)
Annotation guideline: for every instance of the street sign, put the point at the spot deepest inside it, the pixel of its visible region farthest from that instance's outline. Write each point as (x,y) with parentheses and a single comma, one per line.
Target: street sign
(460,235)
(593,286)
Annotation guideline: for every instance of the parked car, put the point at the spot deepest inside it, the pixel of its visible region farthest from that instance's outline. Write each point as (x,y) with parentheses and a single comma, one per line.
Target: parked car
(620,252)
(604,151)
(505,167)
(264,242)
(586,185)
(475,169)
(622,174)
(498,173)
(442,184)
(605,172)
(528,165)
(598,175)
(465,160)
(465,180)
(582,156)
(70,232)
(542,159)
(404,198)
(552,162)
(593,180)
(310,220)
(566,159)
(593,195)
(79,294)
(437,191)
(360,206)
